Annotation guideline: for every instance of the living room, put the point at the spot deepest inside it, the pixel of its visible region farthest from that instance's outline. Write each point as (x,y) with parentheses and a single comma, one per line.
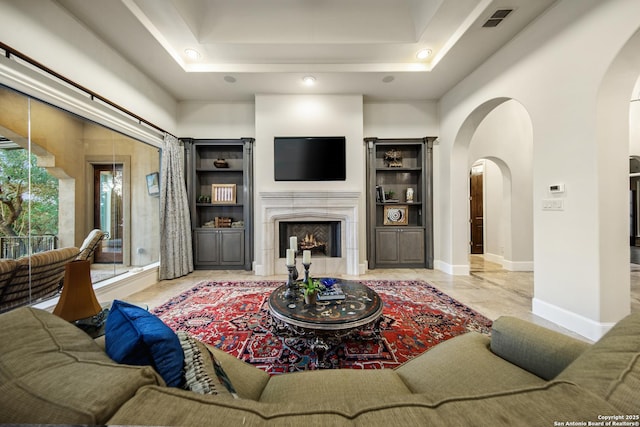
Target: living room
(542,99)
(579,254)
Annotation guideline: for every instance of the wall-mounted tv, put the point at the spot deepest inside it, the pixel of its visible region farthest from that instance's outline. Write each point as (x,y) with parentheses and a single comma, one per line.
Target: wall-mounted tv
(310,158)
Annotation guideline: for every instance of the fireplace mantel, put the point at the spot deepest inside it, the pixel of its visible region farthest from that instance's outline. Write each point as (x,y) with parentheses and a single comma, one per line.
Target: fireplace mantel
(278,206)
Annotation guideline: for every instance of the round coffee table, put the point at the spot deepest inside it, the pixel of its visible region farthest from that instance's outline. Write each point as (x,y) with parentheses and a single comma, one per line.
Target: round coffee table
(326,321)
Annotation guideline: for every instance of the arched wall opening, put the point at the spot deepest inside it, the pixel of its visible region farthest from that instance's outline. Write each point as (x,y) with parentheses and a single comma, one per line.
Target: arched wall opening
(499,130)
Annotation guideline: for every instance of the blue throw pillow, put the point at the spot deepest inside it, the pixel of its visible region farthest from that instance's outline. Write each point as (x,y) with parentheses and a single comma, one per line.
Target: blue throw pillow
(133,336)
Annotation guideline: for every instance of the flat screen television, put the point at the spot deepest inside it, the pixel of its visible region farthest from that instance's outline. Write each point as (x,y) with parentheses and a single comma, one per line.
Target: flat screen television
(310,158)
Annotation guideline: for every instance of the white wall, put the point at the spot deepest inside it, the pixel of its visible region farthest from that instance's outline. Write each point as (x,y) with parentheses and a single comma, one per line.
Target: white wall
(309,115)
(634,122)
(410,119)
(580,253)
(216,120)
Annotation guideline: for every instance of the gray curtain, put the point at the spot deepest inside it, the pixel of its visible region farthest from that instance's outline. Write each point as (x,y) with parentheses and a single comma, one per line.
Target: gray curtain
(176,252)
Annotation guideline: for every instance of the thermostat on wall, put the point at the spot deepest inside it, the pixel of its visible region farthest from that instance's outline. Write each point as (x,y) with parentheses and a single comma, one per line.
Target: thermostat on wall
(556,188)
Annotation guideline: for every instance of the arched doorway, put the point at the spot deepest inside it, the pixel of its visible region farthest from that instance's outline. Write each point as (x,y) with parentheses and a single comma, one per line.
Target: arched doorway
(507,155)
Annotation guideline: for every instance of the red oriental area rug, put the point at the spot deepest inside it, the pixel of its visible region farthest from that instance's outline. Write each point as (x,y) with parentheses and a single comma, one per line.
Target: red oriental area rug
(234,317)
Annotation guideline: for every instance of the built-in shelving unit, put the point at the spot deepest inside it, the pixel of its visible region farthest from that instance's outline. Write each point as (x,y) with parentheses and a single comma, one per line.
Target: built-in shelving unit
(400,202)
(220,187)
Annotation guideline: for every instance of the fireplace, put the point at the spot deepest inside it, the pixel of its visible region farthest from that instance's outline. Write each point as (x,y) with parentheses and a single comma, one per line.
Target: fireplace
(339,208)
(322,238)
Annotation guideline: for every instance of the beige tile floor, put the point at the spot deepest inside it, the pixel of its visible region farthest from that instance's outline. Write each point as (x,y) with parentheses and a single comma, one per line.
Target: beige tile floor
(489,289)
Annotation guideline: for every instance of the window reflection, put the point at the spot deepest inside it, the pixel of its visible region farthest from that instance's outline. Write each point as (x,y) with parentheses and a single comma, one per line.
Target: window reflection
(83,176)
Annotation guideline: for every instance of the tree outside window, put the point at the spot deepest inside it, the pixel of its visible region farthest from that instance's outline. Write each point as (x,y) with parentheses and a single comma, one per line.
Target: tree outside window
(16,199)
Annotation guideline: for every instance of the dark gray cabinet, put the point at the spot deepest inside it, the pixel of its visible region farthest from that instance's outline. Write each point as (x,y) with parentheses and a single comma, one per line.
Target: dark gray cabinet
(220,186)
(219,247)
(400,246)
(400,202)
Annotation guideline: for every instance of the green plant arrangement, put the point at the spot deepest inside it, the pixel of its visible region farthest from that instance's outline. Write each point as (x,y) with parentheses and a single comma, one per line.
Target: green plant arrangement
(310,289)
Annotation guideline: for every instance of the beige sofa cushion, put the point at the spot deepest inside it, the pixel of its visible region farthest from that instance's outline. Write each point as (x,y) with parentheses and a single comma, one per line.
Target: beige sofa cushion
(460,364)
(539,350)
(533,406)
(611,367)
(54,373)
(247,380)
(331,387)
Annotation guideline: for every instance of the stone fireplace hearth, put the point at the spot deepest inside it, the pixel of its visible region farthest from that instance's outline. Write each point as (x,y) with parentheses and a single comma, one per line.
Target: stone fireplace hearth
(336,207)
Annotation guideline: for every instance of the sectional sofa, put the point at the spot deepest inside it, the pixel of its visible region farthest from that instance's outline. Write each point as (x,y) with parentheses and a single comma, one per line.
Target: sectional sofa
(52,372)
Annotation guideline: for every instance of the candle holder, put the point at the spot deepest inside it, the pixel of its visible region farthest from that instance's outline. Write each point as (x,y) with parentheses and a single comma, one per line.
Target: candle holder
(292,286)
(306,272)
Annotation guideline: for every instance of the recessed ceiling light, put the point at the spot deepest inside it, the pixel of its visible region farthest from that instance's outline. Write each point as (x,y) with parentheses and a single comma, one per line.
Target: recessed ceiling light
(309,80)
(423,54)
(388,79)
(192,54)
(229,79)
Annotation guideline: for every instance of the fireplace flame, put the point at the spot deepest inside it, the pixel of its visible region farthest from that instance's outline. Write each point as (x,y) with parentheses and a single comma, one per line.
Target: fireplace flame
(310,242)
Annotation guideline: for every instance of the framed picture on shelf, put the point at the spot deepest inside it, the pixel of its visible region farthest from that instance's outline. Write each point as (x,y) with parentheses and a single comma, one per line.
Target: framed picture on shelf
(153,184)
(223,193)
(396,215)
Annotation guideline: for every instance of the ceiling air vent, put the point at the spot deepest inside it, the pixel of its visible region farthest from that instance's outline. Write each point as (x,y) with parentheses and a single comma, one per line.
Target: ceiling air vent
(497,17)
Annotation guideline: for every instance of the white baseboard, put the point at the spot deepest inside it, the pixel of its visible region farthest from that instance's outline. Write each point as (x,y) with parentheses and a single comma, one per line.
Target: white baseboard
(498,259)
(567,319)
(362,268)
(258,269)
(507,264)
(517,265)
(454,270)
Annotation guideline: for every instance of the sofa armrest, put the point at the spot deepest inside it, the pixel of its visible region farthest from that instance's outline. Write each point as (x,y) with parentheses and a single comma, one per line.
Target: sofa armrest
(534,348)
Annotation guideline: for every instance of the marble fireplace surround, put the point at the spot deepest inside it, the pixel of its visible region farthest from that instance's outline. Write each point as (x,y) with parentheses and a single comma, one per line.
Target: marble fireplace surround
(309,206)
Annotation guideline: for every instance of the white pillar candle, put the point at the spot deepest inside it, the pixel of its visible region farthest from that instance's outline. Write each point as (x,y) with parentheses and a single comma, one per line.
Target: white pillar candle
(306,257)
(290,261)
(293,243)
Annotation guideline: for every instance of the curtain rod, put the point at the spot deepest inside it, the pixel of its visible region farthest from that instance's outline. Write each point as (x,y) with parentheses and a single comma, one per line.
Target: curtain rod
(9,51)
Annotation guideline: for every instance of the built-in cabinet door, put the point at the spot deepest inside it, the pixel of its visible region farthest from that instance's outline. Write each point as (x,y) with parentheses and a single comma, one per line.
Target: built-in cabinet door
(400,246)
(411,246)
(387,247)
(219,247)
(232,247)
(207,247)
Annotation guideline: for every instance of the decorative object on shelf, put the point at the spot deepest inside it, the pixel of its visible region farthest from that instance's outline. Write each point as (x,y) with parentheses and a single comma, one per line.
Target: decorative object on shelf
(221,163)
(393,158)
(153,184)
(223,193)
(409,195)
(396,215)
(388,197)
(204,199)
(222,222)
(237,224)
